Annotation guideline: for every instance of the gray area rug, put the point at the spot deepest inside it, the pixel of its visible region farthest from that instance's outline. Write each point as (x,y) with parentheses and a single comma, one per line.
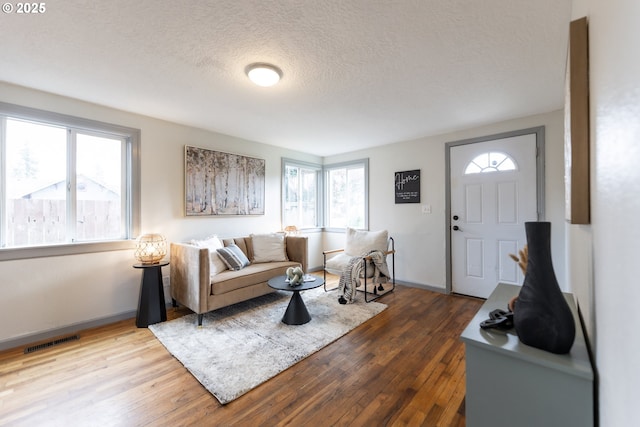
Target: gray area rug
(242,346)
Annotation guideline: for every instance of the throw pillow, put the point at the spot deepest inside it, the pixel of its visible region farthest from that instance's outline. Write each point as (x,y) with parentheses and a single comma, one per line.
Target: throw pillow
(213,243)
(269,247)
(233,257)
(359,242)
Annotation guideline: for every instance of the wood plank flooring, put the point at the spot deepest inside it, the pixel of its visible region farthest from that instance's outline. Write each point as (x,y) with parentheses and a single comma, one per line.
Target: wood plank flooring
(405,367)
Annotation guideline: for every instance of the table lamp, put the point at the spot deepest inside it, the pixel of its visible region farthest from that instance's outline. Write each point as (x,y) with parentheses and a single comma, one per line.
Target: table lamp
(150,248)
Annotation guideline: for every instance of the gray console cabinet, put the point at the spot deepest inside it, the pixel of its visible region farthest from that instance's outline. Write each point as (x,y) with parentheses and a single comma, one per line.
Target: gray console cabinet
(510,383)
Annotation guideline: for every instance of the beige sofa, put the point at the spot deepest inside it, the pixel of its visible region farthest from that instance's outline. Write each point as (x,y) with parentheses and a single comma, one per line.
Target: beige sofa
(193,286)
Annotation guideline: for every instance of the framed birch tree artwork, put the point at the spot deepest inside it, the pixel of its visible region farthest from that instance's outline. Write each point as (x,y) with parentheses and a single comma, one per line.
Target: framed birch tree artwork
(218,183)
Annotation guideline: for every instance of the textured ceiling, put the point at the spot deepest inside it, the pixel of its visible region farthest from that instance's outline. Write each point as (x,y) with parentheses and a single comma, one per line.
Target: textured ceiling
(357,73)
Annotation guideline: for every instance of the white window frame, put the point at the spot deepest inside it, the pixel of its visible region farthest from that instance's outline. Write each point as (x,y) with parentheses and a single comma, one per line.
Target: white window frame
(491,168)
(132,170)
(364,163)
(319,194)
(322,200)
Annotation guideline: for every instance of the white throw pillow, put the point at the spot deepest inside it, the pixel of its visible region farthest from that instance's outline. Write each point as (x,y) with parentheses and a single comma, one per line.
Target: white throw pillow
(213,243)
(269,247)
(360,242)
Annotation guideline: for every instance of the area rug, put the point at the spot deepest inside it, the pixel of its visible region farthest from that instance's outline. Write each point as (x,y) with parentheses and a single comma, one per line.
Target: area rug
(242,346)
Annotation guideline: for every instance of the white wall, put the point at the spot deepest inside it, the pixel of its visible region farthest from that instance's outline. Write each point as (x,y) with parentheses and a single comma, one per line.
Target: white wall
(420,238)
(45,294)
(612,257)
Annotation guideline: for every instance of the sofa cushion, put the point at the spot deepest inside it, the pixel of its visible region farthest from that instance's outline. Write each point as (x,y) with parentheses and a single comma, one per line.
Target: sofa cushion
(338,263)
(233,257)
(269,247)
(251,275)
(216,264)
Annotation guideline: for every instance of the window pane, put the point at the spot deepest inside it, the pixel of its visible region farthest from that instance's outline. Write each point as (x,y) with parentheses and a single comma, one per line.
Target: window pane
(472,168)
(55,193)
(99,188)
(337,198)
(291,185)
(506,165)
(343,202)
(482,160)
(346,197)
(309,201)
(490,162)
(300,196)
(356,198)
(36,184)
(495,159)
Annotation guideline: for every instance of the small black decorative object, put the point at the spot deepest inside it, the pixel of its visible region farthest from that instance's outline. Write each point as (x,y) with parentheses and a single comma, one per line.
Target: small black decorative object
(542,317)
(499,319)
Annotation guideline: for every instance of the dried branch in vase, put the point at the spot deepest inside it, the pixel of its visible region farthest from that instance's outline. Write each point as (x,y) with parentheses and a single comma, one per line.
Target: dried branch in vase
(521,258)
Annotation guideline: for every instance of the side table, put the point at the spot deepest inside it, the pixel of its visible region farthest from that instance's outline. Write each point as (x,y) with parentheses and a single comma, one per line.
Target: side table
(510,382)
(151,305)
(296,313)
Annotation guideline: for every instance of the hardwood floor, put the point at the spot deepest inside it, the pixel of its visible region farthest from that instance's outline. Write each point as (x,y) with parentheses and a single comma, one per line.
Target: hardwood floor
(403,367)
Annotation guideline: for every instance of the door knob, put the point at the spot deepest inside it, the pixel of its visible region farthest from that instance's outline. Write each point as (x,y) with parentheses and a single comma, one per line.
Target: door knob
(456,217)
(456,228)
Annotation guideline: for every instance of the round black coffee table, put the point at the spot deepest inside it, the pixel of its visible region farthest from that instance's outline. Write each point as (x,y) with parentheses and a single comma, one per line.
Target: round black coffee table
(296,313)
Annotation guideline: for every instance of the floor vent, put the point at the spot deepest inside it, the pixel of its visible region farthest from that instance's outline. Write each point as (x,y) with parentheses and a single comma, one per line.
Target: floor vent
(51,343)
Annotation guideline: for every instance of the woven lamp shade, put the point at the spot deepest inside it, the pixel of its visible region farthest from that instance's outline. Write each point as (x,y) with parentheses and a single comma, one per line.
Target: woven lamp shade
(291,229)
(150,248)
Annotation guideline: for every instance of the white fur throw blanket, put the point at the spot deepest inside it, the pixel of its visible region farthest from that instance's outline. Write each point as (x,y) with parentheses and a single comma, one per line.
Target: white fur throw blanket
(350,277)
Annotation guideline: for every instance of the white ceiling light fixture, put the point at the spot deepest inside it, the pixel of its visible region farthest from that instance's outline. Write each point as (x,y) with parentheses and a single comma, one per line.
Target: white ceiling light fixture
(263,74)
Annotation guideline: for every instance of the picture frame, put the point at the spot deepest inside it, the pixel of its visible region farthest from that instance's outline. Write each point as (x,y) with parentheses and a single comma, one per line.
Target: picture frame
(576,143)
(407,186)
(219,183)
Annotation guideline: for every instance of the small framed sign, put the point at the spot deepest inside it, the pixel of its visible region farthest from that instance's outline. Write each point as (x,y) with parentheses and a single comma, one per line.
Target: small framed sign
(407,186)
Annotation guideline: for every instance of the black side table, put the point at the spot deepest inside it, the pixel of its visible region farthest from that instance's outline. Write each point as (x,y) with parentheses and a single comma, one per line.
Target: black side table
(151,305)
(296,313)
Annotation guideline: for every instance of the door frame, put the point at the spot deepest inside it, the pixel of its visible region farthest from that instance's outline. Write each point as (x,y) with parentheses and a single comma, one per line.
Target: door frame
(540,182)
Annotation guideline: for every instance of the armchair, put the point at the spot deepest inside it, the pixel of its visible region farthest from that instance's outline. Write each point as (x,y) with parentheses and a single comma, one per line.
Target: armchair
(359,244)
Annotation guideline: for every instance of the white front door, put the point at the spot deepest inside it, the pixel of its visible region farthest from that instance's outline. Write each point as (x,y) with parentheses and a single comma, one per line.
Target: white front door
(493,193)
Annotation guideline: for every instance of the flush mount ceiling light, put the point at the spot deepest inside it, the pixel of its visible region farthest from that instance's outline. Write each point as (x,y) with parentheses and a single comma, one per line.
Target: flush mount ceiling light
(264,74)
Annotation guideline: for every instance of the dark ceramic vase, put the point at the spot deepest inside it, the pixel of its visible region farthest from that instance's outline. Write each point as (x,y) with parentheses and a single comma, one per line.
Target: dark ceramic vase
(541,315)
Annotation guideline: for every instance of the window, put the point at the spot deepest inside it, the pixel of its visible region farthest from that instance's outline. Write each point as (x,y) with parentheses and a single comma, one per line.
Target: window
(346,196)
(301,187)
(330,196)
(490,162)
(70,185)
